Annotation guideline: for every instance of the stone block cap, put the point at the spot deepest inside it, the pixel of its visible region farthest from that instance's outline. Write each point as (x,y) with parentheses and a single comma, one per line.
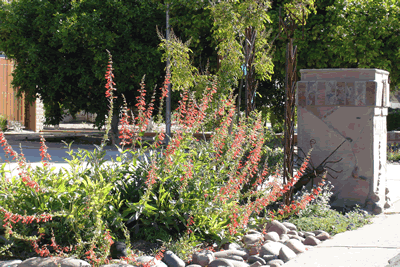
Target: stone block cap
(343,87)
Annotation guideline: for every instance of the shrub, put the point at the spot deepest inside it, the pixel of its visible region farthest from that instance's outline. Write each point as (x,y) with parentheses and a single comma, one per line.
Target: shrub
(3,123)
(393,120)
(191,188)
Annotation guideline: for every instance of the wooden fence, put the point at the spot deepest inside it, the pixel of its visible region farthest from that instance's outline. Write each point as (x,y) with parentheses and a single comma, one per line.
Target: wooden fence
(10,106)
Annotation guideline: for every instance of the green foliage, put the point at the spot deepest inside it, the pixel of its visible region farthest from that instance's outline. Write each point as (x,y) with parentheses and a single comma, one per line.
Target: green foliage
(3,123)
(60,50)
(318,215)
(393,120)
(393,153)
(79,201)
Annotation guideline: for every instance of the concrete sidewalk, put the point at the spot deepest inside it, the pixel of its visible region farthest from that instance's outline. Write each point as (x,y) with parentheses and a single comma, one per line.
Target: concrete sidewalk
(370,246)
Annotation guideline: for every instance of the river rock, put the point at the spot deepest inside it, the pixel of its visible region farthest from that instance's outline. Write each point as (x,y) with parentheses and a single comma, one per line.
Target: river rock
(172,260)
(203,257)
(253,232)
(71,262)
(271,248)
(311,240)
(11,263)
(252,259)
(290,226)
(306,234)
(256,264)
(268,258)
(323,236)
(227,254)
(239,263)
(118,265)
(292,232)
(277,227)
(118,249)
(284,238)
(295,245)
(276,263)
(40,262)
(151,261)
(273,236)
(231,246)
(220,263)
(252,239)
(286,254)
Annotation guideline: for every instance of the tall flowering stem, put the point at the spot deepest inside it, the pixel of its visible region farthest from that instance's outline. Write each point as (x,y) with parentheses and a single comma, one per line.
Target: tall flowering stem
(109,94)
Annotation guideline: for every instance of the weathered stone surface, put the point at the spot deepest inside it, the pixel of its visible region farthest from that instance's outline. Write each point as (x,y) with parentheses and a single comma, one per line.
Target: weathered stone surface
(273,236)
(277,227)
(311,240)
(70,262)
(193,265)
(256,264)
(301,239)
(252,239)
(203,257)
(239,263)
(227,254)
(118,249)
(151,261)
(292,232)
(308,234)
(252,259)
(301,234)
(323,236)
(268,258)
(275,263)
(253,232)
(220,263)
(295,245)
(231,246)
(271,248)
(11,263)
(290,226)
(317,232)
(118,265)
(40,262)
(284,237)
(254,250)
(286,254)
(172,260)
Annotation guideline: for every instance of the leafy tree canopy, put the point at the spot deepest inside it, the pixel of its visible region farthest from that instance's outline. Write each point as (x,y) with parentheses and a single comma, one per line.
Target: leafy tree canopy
(60,48)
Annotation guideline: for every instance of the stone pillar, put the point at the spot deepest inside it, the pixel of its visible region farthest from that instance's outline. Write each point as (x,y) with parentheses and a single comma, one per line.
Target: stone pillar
(346,106)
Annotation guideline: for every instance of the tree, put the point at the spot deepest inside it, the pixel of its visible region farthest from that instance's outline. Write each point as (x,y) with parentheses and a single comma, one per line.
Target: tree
(60,48)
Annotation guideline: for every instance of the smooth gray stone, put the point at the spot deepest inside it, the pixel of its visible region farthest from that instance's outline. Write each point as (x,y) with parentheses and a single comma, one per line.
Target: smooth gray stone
(227,254)
(221,263)
(290,226)
(11,263)
(311,240)
(147,259)
(295,245)
(238,263)
(252,259)
(268,258)
(203,257)
(273,236)
(286,254)
(278,227)
(271,248)
(276,263)
(172,260)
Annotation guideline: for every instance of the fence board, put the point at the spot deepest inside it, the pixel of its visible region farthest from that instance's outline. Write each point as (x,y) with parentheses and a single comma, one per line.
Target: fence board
(10,106)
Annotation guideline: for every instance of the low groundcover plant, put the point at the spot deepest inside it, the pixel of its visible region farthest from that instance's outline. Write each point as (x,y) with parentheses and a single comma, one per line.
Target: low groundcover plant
(192,189)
